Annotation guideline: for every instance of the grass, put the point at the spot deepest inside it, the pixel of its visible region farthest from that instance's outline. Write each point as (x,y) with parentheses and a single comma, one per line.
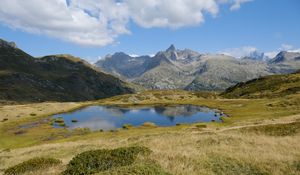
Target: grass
(137,169)
(220,164)
(288,129)
(249,141)
(266,87)
(95,161)
(33,164)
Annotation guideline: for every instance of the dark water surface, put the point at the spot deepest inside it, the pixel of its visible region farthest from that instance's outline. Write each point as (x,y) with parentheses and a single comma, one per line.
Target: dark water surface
(112,117)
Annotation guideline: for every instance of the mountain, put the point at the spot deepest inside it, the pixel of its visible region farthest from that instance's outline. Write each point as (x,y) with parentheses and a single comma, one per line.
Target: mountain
(123,65)
(24,78)
(285,62)
(220,71)
(284,57)
(266,87)
(190,70)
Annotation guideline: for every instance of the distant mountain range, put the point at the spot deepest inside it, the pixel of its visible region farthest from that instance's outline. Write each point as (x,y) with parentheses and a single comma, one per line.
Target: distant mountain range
(190,70)
(24,78)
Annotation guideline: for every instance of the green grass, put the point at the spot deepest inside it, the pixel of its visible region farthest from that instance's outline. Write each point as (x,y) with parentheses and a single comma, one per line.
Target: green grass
(33,164)
(266,87)
(95,161)
(288,129)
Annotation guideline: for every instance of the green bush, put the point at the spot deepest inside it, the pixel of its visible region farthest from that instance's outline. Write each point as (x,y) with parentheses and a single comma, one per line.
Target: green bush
(32,165)
(139,169)
(94,161)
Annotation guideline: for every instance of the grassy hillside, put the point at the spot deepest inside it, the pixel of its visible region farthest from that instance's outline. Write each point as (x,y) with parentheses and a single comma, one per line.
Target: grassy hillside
(266,87)
(53,78)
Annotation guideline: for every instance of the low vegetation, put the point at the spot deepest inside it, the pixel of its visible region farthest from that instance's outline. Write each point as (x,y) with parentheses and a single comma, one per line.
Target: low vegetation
(266,87)
(287,129)
(33,164)
(94,161)
(137,169)
(259,136)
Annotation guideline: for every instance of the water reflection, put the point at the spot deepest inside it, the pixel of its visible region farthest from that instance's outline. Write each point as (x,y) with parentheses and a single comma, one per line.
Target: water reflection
(112,117)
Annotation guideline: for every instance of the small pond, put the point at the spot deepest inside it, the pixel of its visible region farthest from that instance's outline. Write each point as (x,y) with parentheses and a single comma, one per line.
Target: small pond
(113,117)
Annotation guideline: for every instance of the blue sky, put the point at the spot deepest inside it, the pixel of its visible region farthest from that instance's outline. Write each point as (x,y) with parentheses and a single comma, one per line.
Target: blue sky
(267,25)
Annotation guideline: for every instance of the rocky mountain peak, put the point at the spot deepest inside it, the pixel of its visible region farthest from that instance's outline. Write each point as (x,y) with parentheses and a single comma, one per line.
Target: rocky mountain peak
(285,56)
(171,48)
(7,44)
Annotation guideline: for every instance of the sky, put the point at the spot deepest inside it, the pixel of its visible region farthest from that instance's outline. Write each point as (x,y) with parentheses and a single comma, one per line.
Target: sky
(91,29)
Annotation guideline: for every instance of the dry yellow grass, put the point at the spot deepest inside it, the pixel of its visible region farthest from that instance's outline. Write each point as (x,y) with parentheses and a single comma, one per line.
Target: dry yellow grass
(186,152)
(186,149)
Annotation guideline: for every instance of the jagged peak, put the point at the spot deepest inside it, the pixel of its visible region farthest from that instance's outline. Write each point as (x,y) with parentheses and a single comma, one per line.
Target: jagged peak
(171,48)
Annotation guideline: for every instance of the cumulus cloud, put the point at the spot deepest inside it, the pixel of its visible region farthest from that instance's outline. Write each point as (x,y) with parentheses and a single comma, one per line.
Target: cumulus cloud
(239,52)
(100,22)
(170,13)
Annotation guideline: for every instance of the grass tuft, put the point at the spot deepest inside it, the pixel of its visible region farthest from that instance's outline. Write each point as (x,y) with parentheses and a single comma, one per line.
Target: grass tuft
(30,165)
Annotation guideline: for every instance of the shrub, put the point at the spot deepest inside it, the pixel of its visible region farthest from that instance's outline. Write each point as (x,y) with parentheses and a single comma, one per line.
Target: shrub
(140,169)
(94,161)
(34,164)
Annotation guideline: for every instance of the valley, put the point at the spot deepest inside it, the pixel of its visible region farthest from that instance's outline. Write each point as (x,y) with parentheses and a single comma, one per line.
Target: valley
(149,87)
(47,122)
(252,128)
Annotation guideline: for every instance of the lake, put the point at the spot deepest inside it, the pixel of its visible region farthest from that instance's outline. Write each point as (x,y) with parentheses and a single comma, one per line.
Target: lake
(113,117)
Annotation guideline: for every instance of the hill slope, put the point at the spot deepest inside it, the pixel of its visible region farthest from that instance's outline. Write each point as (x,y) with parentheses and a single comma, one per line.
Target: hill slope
(53,78)
(266,87)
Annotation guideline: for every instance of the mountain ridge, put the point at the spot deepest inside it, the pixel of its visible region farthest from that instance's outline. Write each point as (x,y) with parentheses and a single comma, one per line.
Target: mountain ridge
(190,70)
(24,78)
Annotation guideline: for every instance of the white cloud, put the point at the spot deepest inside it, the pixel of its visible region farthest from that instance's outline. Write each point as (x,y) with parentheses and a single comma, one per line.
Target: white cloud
(237,4)
(239,52)
(100,22)
(295,50)
(286,47)
(271,54)
(170,13)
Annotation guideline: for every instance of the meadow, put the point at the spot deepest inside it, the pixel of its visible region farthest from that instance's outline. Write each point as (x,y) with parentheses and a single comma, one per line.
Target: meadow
(259,136)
